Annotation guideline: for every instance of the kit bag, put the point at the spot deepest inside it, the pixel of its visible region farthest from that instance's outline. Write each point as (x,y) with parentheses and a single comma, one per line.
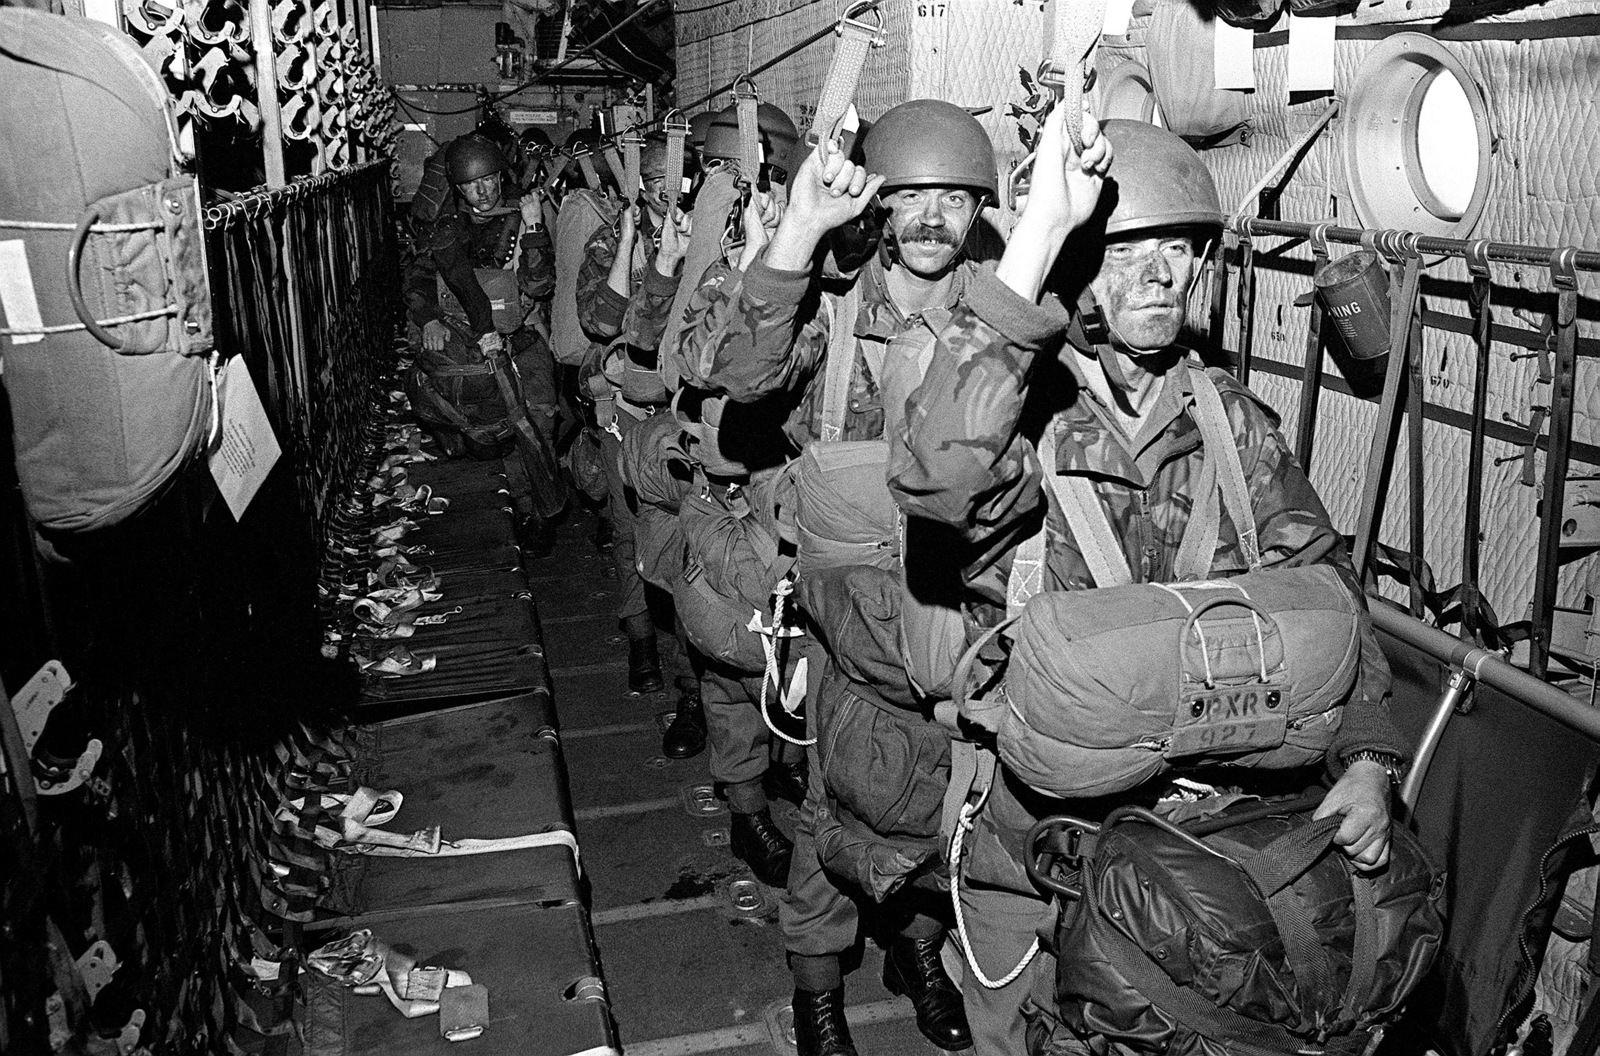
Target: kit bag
(731,565)
(106,413)
(1182,77)
(1246,933)
(1108,688)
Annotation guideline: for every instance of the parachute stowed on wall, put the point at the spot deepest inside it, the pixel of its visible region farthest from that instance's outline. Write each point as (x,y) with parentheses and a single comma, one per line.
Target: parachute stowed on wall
(101,422)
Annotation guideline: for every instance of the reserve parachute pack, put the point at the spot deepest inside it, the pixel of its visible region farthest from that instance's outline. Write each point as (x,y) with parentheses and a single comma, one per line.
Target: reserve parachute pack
(1108,688)
(106,307)
(1244,932)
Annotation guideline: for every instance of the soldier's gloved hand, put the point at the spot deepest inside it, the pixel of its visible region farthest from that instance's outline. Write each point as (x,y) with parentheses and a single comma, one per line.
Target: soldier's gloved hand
(491,343)
(675,235)
(434,335)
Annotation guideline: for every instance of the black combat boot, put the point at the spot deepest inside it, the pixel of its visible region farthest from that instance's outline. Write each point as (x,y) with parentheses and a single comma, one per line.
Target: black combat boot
(759,843)
(686,734)
(819,1024)
(911,967)
(644,664)
(786,781)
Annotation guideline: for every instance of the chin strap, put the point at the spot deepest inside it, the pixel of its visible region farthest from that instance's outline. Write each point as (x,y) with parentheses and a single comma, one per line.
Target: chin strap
(1091,335)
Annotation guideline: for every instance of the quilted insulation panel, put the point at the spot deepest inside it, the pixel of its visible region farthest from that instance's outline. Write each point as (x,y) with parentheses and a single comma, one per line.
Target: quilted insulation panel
(965,51)
(1545,190)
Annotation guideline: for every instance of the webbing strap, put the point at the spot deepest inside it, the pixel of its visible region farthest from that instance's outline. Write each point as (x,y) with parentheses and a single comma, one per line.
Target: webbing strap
(557,168)
(590,176)
(1086,516)
(856,39)
(747,101)
(1078,26)
(614,162)
(677,129)
(1481,300)
(1369,514)
(631,144)
(841,359)
(1223,450)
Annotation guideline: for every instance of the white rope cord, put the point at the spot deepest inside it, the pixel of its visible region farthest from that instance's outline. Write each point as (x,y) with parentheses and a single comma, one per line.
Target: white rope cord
(94,229)
(963,825)
(769,645)
(67,328)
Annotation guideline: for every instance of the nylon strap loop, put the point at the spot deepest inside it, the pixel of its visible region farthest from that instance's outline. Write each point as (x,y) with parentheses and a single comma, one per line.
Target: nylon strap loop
(747,100)
(632,142)
(590,176)
(856,39)
(677,129)
(1212,418)
(841,360)
(1086,517)
(1069,69)
(608,151)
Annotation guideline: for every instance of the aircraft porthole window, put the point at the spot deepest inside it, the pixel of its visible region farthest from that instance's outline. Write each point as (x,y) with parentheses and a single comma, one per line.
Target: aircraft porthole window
(1417,139)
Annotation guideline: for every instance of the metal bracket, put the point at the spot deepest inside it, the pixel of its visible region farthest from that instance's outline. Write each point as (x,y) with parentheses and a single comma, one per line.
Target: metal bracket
(1580,513)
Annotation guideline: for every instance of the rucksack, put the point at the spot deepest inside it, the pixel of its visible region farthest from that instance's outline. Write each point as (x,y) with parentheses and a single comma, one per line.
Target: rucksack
(100,424)
(731,567)
(1106,689)
(1246,932)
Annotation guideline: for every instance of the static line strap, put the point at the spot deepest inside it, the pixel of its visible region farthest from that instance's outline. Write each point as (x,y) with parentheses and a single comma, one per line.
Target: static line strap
(631,144)
(677,130)
(747,100)
(856,39)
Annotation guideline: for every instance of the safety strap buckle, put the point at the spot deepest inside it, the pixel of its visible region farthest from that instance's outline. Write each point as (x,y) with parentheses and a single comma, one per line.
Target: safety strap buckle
(851,23)
(1053,75)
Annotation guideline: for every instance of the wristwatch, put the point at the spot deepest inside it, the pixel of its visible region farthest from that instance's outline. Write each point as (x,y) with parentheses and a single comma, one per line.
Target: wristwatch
(1391,764)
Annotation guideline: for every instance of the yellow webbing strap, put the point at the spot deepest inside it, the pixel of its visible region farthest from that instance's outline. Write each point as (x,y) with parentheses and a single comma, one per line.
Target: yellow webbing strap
(856,38)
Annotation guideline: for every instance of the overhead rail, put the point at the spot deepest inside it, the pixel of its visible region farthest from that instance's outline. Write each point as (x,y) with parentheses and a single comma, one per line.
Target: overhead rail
(261,200)
(1395,243)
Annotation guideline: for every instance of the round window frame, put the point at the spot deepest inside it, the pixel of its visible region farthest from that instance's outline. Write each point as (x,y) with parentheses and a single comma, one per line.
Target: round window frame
(1382,115)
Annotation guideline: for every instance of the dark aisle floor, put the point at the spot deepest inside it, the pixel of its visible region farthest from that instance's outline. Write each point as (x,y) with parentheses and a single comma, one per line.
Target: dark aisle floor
(689,941)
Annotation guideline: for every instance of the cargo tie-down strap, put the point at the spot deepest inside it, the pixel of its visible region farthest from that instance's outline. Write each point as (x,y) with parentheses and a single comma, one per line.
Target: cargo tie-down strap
(856,39)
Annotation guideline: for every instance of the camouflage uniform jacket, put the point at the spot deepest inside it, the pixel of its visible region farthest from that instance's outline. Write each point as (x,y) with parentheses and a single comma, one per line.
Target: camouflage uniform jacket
(459,242)
(769,335)
(968,461)
(602,311)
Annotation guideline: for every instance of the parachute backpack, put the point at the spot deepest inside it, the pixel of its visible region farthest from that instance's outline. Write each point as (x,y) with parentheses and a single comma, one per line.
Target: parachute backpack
(1108,688)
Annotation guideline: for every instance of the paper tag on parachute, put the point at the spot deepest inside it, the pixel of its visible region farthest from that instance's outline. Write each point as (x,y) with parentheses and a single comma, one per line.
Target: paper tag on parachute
(245,449)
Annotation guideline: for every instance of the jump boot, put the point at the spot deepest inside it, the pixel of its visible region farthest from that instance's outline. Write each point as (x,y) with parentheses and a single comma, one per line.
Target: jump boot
(819,1024)
(911,967)
(759,843)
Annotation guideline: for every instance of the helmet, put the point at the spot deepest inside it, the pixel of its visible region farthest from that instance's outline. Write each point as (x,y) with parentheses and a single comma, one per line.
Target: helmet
(583,137)
(534,138)
(698,124)
(931,143)
(778,134)
(1158,180)
(472,157)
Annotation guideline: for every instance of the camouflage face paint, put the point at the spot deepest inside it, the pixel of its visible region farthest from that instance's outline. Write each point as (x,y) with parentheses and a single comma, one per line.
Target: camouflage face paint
(1142,288)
